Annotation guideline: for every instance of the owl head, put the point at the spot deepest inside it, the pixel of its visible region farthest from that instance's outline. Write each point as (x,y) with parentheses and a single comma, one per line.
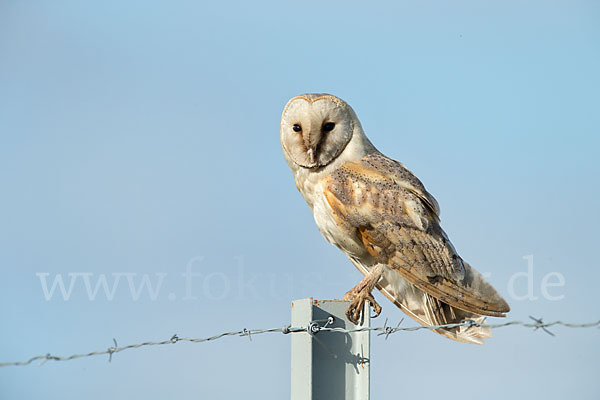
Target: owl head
(316,128)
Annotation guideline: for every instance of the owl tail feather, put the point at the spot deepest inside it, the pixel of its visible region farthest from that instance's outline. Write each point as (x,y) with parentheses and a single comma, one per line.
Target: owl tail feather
(429,310)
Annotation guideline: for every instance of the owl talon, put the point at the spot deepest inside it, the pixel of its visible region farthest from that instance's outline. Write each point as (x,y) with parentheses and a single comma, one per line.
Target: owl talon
(355,310)
(376,309)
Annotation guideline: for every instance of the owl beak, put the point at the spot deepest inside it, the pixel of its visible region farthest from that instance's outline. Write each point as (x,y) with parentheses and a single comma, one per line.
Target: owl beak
(311,155)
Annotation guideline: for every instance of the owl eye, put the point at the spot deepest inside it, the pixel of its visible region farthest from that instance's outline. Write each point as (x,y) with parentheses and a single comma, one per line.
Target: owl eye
(297,128)
(328,127)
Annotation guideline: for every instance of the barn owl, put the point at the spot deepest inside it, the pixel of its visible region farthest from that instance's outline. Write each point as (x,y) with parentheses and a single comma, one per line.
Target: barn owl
(379,214)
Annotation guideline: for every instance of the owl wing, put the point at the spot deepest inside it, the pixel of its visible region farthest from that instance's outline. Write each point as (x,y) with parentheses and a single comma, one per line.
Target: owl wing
(398,224)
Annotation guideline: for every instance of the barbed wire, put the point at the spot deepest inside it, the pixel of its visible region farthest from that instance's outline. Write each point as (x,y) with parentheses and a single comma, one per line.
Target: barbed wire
(313,328)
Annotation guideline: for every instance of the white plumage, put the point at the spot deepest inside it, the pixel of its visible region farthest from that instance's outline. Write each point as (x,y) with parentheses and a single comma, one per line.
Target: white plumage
(380,215)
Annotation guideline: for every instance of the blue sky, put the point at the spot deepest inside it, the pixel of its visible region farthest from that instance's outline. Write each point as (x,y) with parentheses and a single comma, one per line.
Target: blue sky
(140,138)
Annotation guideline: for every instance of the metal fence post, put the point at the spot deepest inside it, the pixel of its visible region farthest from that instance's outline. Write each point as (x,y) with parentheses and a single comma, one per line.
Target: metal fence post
(329,365)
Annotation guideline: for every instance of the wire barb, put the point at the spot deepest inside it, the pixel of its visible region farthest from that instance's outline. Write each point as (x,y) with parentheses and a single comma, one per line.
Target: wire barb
(111,350)
(312,328)
(246,332)
(388,330)
(539,323)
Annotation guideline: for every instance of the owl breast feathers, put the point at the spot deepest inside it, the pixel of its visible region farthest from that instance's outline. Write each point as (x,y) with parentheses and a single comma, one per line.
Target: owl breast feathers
(378,213)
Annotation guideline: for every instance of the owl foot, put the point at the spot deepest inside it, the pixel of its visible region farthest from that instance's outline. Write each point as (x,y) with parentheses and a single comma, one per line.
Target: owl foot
(362,293)
(355,310)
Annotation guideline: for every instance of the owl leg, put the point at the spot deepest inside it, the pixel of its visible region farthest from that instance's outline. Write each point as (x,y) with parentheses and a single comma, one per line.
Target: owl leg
(361,293)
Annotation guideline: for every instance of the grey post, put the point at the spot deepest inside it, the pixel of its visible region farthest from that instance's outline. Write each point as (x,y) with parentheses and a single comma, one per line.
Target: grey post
(329,365)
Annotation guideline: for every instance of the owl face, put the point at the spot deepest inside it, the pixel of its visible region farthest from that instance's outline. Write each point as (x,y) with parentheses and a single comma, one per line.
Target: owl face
(315,129)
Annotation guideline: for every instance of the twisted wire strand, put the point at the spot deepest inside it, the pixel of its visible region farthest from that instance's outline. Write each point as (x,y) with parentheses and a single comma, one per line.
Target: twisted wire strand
(537,323)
